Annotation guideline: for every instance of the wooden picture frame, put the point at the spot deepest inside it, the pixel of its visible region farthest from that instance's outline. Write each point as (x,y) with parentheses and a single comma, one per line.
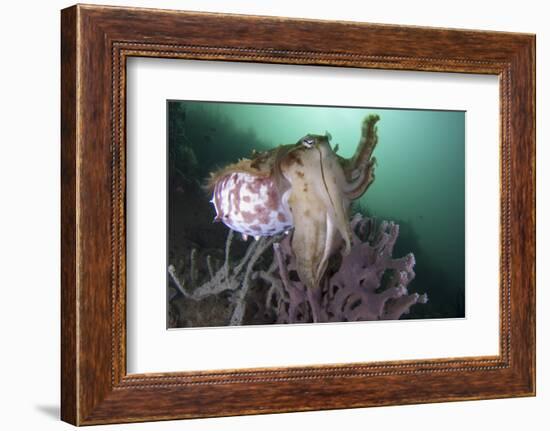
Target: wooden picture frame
(96,41)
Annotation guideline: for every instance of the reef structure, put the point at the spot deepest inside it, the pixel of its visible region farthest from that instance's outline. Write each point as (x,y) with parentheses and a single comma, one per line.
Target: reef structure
(306,187)
(366,284)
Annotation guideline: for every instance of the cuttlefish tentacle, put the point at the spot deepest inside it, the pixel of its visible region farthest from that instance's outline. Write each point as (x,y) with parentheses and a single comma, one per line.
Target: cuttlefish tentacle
(306,186)
(360,168)
(334,181)
(319,212)
(310,238)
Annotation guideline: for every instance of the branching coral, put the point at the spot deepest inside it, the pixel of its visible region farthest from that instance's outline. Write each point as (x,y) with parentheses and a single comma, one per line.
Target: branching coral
(365,284)
(232,277)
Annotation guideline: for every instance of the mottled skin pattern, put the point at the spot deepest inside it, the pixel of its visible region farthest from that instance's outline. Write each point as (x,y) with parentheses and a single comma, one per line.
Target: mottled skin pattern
(305,186)
(251,205)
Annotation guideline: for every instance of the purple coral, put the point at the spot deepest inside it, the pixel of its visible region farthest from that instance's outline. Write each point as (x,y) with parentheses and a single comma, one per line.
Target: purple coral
(368,283)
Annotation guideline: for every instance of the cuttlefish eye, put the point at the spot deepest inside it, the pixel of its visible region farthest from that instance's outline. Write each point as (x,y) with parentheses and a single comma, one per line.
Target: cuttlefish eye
(308,142)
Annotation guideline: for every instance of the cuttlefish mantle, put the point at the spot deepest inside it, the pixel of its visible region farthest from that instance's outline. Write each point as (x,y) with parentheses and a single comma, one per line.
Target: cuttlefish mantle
(305,186)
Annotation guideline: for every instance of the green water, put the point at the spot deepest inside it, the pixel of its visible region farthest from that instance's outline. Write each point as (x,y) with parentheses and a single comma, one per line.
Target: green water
(420,172)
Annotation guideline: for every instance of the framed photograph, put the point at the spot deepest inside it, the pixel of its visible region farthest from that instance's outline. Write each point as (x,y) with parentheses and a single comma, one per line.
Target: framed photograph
(263,214)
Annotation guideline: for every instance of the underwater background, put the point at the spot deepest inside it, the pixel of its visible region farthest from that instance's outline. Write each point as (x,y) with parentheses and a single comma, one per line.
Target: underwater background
(419,184)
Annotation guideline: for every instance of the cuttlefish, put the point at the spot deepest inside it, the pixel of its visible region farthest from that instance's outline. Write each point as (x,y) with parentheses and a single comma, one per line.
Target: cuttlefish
(304,186)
